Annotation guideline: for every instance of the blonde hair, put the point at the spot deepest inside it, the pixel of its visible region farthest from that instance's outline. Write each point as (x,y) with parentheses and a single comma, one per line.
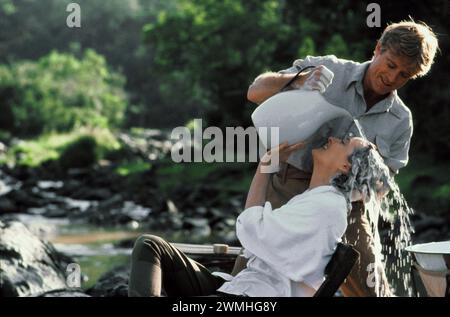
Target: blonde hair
(416,41)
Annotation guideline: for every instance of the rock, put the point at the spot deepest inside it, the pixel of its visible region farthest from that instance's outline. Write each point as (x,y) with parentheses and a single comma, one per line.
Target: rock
(24,199)
(237,203)
(22,172)
(70,186)
(46,184)
(427,236)
(201,211)
(86,193)
(191,223)
(63,293)
(28,265)
(112,284)
(216,212)
(79,172)
(135,212)
(171,207)
(81,153)
(176,222)
(225,224)
(113,202)
(428,222)
(53,211)
(228,237)
(230,222)
(198,228)
(125,244)
(199,234)
(6,183)
(8,206)
(125,213)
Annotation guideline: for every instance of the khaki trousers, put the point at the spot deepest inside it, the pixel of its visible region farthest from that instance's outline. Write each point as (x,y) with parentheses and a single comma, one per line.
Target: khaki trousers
(366,279)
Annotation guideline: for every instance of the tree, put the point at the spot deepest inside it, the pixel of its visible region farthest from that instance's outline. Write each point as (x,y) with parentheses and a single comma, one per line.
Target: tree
(60,92)
(206,52)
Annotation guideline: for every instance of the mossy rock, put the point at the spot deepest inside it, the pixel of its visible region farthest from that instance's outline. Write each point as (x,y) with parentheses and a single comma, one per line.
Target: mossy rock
(81,153)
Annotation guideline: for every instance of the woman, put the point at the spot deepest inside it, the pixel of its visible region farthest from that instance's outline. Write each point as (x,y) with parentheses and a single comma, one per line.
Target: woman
(287,248)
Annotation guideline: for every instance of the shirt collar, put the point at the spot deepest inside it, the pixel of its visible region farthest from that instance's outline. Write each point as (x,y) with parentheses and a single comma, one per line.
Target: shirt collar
(357,76)
(358,73)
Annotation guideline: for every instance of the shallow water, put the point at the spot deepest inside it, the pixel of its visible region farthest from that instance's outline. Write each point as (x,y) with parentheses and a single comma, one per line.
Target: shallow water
(95,248)
(91,247)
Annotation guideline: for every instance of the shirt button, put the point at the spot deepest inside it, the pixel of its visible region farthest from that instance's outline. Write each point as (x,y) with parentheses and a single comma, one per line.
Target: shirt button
(350,134)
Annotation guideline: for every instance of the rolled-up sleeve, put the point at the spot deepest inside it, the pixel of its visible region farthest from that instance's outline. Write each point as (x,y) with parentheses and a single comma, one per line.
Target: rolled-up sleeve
(396,152)
(329,61)
(399,151)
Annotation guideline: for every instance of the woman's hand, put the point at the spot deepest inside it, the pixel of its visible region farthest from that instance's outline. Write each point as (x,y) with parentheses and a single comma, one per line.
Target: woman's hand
(270,162)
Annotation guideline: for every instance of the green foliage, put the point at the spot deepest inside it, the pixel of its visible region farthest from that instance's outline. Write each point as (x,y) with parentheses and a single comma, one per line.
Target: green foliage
(198,60)
(51,146)
(7,7)
(228,178)
(337,46)
(34,28)
(133,167)
(59,93)
(206,51)
(426,185)
(307,47)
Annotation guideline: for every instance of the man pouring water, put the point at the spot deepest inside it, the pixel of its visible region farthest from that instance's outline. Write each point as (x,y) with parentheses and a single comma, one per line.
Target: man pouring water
(368,91)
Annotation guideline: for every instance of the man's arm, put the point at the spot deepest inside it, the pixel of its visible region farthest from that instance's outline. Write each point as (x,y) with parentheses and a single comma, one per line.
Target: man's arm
(268,84)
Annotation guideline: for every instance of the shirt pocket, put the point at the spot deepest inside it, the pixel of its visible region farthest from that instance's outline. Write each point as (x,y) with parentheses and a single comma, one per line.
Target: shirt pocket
(383,146)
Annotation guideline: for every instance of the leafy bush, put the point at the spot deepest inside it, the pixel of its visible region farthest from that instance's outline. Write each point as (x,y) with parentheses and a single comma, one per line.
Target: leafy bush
(52,146)
(59,93)
(206,51)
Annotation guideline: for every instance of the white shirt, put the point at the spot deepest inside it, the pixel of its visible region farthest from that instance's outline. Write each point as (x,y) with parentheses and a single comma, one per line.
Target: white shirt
(289,247)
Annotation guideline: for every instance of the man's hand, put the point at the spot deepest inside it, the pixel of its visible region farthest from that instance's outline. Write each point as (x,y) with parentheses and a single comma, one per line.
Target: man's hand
(317,79)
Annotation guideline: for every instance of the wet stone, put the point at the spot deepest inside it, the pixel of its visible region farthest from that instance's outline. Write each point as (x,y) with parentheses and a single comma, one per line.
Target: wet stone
(191,223)
(112,284)
(28,265)
(8,206)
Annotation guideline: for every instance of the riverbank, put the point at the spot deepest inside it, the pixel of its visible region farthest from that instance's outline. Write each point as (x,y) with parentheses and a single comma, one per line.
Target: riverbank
(92,214)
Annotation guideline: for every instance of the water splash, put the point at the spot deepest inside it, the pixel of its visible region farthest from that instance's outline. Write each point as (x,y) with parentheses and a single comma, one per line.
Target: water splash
(360,128)
(394,212)
(370,179)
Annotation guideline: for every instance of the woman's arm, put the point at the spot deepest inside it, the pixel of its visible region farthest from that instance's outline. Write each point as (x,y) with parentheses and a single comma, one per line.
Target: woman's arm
(258,188)
(257,192)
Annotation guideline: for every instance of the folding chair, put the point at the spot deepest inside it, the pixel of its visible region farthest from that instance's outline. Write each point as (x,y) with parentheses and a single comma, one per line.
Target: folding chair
(231,260)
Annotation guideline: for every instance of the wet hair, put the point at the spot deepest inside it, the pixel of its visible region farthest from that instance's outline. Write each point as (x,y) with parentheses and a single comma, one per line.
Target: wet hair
(368,175)
(416,41)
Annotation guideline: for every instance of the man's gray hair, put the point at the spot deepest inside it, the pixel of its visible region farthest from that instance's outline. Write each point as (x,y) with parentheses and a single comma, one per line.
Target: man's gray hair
(368,175)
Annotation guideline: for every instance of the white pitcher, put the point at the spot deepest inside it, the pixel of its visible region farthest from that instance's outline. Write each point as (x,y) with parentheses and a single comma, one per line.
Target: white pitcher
(297,114)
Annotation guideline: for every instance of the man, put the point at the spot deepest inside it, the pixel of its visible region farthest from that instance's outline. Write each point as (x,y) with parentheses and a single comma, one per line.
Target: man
(368,91)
